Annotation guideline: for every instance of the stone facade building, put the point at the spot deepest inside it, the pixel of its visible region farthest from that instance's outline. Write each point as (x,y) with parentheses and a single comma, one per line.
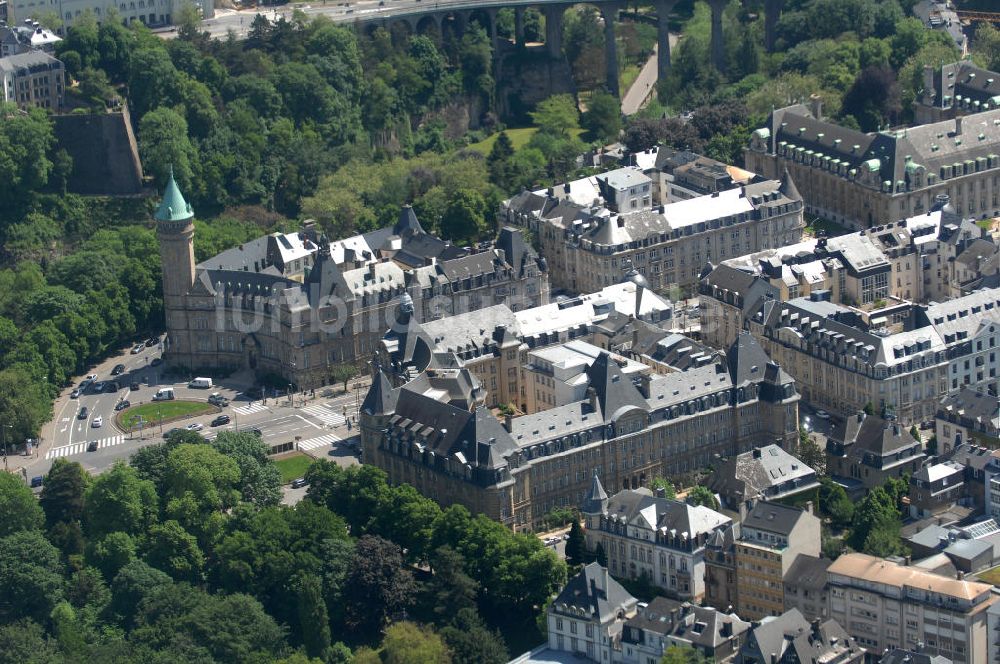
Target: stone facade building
(866,450)
(763,473)
(32,79)
(434,433)
(295,305)
(886,605)
(663,623)
(587,235)
(862,180)
(791,639)
(956,89)
(153,13)
(647,536)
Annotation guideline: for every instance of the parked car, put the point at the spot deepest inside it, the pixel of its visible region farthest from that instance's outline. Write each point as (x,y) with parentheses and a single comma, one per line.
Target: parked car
(91,377)
(822,414)
(152,341)
(97,422)
(37,481)
(123,404)
(82,415)
(134,386)
(217,399)
(138,348)
(97,387)
(155,362)
(92,446)
(118,370)
(299,482)
(220,420)
(111,387)
(195,426)
(75,394)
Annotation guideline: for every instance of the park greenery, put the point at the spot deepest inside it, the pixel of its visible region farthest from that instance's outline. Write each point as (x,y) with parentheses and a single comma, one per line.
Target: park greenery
(185,555)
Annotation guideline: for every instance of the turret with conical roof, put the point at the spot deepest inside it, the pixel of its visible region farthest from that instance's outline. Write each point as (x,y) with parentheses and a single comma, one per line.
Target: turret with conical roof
(788,187)
(175,232)
(173,207)
(595,504)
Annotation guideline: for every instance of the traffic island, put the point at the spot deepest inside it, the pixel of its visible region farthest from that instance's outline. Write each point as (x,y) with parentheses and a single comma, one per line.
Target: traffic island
(161,412)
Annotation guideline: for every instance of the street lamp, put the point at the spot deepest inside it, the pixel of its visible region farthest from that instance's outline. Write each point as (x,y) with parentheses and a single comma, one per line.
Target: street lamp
(3,433)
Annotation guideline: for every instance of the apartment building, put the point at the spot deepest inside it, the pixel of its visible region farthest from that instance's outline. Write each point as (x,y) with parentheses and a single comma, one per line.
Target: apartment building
(645,536)
(153,13)
(791,639)
(33,79)
(864,451)
(663,623)
(588,615)
(935,256)
(901,356)
(805,587)
(434,432)
(860,180)
(772,537)
(586,236)
(764,473)
(967,417)
(886,605)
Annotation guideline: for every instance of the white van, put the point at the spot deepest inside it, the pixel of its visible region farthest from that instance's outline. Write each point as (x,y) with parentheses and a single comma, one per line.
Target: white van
(201,383)
(164,394)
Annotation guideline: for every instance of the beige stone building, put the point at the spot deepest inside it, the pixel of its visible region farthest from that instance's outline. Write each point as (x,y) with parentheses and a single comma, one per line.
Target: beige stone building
(292,306)
(587,237)
(862,180)
(771,538)
(956,89)
(884,605)
(434,433)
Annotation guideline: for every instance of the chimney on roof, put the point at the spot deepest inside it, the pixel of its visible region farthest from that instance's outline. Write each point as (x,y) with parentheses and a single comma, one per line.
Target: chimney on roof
(961,575)
(756,453)
(592,398)
(604,579)
(816,106)
(809,506)
(815,629)
(508,422)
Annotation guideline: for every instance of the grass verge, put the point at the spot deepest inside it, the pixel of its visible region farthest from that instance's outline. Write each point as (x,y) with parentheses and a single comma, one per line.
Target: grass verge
(165,411)
(519,137)
(293,466)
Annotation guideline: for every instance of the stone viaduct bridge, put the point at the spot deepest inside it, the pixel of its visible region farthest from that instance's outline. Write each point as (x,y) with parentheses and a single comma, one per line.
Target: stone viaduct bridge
(422,15)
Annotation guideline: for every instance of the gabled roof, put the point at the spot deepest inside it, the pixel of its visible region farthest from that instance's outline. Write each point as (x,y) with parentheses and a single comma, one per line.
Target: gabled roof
(638,507)
(586,593)
(746,359)
(615,393)
(325,279)
(407,222)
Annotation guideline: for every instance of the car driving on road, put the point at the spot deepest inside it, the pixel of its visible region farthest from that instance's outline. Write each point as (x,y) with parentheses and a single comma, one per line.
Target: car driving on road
(138,348)
(220,420)
(75,394)
(97,422)
(82,415)
(118,370)
(195,426)
(92,446)
(123,404)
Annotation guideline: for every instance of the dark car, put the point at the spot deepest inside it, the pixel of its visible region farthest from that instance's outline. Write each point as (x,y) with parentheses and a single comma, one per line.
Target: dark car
(134,386)
(122,405)
(92,446)
(37,481)
(300,482)
(152,341)
(220,420)
(254,431)
(82,415)
(155,362)
(118,370)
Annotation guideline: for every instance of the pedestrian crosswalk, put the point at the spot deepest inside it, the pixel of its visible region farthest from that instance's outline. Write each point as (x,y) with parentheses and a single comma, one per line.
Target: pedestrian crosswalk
(315,443)
(325,414)
(252,408)
(79,448)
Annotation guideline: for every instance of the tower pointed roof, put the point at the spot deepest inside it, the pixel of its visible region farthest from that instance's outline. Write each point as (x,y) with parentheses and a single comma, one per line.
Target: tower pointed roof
(380,399)
(407,222)
(788,187)
(596,500)
(173,207)
(615,392)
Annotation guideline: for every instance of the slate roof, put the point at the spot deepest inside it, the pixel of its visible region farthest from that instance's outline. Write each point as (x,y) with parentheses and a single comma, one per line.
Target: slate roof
(774,517)
(872,434)
(795,641)
(900,656)
(584,591)
(596,499)
(746,360)
(701,626)
(381,397)
(768,471)
(615,393)
(640,508)
(974,406)
(808,572)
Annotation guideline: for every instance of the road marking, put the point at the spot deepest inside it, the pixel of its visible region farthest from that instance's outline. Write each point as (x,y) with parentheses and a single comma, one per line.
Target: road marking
(77,448)
(248,410)
(314,443)
(324,414)
(309,422)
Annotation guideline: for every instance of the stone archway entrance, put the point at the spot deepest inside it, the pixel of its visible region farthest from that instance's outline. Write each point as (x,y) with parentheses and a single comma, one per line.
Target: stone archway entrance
(251,351)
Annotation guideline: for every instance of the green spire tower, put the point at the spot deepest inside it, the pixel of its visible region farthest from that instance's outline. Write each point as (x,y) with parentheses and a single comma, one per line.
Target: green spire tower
(175,231)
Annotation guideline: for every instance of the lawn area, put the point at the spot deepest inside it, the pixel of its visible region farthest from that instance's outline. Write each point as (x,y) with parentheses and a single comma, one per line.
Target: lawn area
(628,76)
(832,228)
(990,576)
(985,224)
(293,466)
(519,137)
(153,413)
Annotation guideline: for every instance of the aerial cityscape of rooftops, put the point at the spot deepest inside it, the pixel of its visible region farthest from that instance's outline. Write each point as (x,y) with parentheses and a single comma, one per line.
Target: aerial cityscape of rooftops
(501,332)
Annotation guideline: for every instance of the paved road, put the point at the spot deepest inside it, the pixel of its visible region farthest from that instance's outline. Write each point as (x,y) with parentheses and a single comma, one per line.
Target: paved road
(645,84)
(316,425)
